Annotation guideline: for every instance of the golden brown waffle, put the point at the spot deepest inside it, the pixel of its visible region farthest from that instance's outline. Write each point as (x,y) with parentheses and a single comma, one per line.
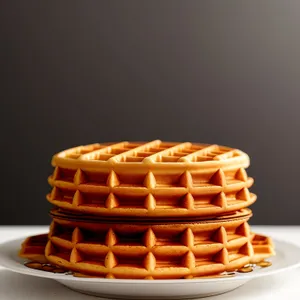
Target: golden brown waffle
(33,248)
(152,210)
(265,250)
(159,251)
(151,180)
(262,246)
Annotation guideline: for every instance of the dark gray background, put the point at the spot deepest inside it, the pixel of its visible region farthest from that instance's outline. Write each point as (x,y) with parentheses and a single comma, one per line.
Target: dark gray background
(77,72)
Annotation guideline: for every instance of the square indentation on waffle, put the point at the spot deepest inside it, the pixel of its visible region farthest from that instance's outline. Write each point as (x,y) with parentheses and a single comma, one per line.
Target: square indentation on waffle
(130,180)
(37,240)
(209,242)
(88,256)
(172,201)
(81,150)
(114,151)
(240,196)
(210,201)
(34,245)
(262,246)
(169,152)
(60,251)
(237,237)
(62,234)
(128,201)
(90,199)
(89,237)
(105,153)
(198,153)
(62,195)
(63,174)
(260,240)
(91,178)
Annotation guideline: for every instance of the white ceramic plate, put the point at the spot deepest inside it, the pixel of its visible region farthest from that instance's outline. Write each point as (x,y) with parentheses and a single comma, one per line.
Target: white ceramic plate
(287,257)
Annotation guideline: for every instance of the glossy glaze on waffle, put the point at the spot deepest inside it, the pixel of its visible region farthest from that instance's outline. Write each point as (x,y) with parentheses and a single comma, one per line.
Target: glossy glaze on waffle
(151,180)
(159,251)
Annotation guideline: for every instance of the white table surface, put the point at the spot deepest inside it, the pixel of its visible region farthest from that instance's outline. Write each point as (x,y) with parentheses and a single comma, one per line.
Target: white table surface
(280,286)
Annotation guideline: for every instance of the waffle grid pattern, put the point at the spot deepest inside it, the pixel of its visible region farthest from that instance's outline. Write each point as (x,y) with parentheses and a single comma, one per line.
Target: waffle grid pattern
(107,194)
(115,203)
(173,251)
(33,249)
(150,155)
(154,179)
(155,151)
(262,246)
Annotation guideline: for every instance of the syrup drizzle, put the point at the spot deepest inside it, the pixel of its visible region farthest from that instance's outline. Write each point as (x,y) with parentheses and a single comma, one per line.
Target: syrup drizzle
(55,269)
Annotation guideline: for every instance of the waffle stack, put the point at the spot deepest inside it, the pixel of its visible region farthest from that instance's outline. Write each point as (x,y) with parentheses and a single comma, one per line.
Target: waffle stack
(150,211)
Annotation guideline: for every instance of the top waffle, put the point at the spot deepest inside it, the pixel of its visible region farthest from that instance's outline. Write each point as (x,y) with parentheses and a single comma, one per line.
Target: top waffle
(155,179)
(155,154)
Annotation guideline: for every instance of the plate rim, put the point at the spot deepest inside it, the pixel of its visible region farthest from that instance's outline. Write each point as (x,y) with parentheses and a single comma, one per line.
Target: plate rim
(60,277)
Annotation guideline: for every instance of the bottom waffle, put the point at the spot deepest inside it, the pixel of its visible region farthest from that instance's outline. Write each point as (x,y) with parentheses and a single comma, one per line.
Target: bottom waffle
(149,251)
(33,249)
